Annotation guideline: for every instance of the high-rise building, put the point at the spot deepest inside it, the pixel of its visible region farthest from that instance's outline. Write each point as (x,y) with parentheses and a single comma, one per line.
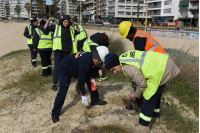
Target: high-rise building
(189,11)
(3,13)
(35,12)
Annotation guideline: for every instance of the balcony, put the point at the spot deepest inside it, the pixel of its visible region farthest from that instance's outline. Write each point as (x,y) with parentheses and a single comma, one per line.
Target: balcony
(154,6)
(184,1)
(194,7)
(111,10)
(111,4)
(193,0)
(183,8)
(152,13)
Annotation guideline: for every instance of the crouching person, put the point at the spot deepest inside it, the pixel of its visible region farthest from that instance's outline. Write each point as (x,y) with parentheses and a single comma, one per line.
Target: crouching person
(80,66)
(150,71)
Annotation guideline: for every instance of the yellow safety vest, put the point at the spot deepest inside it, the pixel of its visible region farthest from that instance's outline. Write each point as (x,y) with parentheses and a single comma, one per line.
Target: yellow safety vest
(152,65)
(57,44)
(87,43)
(45,41)
(82,34)
(29,40)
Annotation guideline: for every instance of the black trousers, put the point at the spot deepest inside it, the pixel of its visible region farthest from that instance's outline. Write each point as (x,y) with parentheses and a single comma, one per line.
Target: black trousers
(64,82)
(80,44)
(46,62)
(151,108)
(33,56)
(58,57)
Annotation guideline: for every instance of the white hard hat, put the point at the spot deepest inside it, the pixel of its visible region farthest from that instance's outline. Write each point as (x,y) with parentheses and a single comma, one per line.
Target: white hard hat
(102,51)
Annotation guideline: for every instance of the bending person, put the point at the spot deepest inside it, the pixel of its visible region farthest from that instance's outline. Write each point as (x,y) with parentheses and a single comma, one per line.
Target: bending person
(81,66)
(150,77)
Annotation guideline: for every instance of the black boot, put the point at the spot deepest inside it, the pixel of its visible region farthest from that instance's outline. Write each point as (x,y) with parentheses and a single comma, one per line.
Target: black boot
(54,87)
(55,118)
(98,102)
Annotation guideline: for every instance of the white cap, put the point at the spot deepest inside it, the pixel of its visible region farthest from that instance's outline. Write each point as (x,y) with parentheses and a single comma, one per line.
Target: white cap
(102,51)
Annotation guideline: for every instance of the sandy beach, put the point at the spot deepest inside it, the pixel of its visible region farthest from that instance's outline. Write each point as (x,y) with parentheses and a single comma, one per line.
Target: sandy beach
(12,38)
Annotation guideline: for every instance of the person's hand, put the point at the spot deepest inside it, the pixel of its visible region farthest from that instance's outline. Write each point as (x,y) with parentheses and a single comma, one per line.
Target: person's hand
(132,96)
(31,37)
(35,50)
(100,72)
(85,101)
(47,23)
(93,85)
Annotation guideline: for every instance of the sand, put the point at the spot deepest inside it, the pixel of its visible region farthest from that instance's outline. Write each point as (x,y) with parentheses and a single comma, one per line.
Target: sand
(12,38)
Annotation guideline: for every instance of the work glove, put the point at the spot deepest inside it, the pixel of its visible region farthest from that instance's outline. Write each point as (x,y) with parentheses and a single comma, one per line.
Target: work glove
(85,101)
(93,85)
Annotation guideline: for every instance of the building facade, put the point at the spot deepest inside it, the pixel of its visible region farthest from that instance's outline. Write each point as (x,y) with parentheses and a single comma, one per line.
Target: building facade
(35,12)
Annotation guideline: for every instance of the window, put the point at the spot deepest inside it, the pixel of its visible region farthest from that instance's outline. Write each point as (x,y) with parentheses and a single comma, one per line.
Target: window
(128,13)
(121,1)
(167,10)
(128,2)
(121,7)
(120,13)
(168,2)
(128,8)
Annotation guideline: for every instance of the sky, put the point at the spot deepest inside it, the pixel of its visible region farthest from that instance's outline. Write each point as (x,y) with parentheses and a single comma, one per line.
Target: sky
(48,1)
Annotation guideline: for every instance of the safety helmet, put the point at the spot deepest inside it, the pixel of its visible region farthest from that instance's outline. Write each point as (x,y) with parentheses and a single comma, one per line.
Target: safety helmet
(102,51)
(124,28)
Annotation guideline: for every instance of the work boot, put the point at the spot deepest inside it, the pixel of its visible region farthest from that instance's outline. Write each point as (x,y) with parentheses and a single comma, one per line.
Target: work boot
(54,87)
(98,102)
(133,106)
(55,118)
(153,121)
(140,129)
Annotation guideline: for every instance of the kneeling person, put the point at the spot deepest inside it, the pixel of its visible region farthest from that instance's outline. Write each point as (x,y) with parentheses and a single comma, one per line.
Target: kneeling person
(80,66)
(150,71)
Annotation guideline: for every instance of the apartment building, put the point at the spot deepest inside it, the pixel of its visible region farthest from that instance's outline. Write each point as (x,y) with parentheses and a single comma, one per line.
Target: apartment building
(62,6)
(189,10)
(12,3)
(167,10)
(35,12)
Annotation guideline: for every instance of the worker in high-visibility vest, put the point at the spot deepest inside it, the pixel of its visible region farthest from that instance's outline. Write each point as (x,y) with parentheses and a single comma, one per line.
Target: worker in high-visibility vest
(97,39)
(80,37)
(150,71)
(28,33)
(142,41)
(80,66)
(63,43)
(43,44)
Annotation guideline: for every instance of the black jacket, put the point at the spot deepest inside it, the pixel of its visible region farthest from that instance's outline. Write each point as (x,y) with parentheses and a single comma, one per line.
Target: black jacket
(36,39)
(26,33)
(139,42)
(65,40)
(81,68)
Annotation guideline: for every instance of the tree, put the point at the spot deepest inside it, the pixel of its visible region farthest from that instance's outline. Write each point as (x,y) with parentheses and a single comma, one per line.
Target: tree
(55,5)
(73,2)
(40,6)
(17,9)
(83,7)
(7,8)
(28,7)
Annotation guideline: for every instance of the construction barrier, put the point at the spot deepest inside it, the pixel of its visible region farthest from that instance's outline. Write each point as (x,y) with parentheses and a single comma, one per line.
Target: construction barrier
(171,23)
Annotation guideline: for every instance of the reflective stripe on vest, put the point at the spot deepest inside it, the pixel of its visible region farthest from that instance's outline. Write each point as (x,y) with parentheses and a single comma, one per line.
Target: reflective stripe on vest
(151,64)
(87,43)
(45,41)
(29,40)
(156,110)
(156,46)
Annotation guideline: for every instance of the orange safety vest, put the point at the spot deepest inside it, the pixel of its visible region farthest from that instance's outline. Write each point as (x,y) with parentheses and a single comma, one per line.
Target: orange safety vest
(151,43)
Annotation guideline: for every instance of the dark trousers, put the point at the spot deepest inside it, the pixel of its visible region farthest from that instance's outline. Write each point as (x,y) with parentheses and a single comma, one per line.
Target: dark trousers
(58,57)
(33,56)
(46,62)
(64,82)
(80,44)
(151,108)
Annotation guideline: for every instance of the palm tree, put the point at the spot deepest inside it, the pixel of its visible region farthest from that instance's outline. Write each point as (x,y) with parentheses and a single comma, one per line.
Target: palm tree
(83,7)
(55,5)
(73,2)
(7,8)
(28,7)
(40,6)
(17,9)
